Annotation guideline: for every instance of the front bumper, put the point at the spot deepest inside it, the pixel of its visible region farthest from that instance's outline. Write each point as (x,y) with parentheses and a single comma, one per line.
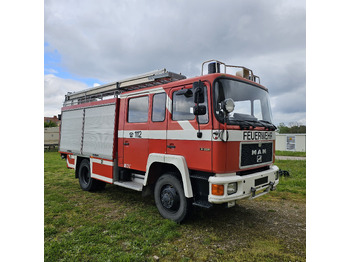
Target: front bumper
(246,185)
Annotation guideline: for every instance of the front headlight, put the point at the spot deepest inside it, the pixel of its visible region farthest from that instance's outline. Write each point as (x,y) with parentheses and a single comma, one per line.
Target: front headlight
(232,188)
(228,105)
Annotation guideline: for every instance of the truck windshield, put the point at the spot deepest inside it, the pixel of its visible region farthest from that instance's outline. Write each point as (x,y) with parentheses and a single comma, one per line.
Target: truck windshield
(252,104)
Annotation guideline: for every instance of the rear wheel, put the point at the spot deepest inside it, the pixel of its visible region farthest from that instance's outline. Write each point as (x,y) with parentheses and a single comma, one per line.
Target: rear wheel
(170,198)
(87,183)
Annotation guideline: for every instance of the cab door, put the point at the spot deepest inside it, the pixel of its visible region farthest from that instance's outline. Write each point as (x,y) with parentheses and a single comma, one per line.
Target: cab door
(182,131)
(136,135)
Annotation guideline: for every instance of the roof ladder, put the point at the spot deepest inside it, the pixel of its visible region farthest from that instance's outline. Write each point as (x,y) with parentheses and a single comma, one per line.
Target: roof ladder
(153,78)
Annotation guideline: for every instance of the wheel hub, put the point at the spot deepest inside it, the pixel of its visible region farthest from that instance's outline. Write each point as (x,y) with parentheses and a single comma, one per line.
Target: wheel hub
(169,198)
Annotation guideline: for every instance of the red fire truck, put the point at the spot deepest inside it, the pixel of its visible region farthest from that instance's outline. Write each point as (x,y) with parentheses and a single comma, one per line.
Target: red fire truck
(200,141)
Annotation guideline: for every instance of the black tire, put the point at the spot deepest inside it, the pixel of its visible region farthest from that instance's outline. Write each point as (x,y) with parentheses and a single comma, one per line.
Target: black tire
(170,198)
(87,183)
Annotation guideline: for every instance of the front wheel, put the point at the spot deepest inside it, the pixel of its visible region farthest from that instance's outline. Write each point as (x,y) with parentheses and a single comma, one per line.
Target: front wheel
(170,198)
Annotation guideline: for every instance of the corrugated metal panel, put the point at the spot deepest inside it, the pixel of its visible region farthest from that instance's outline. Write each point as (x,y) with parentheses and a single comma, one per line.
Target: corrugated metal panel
(71,131)
(98,131)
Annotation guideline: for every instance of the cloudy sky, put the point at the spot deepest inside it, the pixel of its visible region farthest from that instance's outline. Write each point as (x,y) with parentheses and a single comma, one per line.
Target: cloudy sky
(95,42)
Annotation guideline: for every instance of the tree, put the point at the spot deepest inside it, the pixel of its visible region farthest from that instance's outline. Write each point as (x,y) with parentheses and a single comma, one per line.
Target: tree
(293,128)
(50,124)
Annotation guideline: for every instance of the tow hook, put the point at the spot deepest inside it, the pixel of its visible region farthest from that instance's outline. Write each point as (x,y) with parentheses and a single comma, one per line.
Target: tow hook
(271,184)
(253,189)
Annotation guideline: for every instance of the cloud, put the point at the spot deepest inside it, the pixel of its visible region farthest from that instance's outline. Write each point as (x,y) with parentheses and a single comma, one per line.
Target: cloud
(55,89)
(50,71)
(112,40)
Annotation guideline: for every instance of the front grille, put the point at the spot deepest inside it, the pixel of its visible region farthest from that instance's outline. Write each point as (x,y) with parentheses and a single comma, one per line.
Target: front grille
(254,154)
(261,181)
(252,171)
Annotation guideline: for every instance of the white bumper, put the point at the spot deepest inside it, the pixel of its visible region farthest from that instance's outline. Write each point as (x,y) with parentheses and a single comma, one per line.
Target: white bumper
(246,185)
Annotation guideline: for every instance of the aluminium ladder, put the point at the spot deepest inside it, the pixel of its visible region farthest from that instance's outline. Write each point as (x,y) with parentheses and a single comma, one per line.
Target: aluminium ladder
(154,78)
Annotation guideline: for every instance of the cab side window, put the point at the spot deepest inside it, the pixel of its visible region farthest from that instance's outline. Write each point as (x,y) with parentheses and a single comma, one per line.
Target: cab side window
(183,108)
(138,110)
(158,109)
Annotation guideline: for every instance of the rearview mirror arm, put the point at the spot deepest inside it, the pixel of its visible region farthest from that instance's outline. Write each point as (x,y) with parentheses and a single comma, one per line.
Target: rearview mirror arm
(199,133)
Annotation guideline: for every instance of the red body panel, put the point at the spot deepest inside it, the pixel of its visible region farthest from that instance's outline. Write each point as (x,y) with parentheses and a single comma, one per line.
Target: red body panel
(103,169)
(70,161)
(198,154)
(135,153)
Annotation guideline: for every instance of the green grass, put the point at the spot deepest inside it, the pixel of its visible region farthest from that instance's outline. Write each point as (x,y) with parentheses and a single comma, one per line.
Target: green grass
(117,224)
(295,183)
(292,187)
(290,153)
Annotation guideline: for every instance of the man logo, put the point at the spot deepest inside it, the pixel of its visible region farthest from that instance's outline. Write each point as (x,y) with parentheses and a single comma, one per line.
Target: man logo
(259,152)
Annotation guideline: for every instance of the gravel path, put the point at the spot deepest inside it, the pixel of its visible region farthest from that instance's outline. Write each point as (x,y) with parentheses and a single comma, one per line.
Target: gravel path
(252,220)
(290,158)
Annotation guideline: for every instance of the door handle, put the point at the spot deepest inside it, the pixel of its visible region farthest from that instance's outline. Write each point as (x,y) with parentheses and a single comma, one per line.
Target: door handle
(126,143)
(171,146)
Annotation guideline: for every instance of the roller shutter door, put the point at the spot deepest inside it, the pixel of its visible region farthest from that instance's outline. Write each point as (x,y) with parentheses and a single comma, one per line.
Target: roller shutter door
(71,131)
(98,131)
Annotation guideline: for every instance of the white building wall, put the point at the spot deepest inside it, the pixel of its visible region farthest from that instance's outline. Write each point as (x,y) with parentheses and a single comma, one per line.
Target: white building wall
(281,142)
(300,142)
(51,135)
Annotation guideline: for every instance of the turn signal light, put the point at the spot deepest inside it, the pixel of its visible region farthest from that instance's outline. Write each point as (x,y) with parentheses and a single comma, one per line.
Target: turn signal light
(217,190)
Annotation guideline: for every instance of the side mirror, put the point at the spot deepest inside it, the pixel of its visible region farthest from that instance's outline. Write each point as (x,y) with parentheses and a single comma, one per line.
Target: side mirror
(59,116)
(198,88)
(199,110)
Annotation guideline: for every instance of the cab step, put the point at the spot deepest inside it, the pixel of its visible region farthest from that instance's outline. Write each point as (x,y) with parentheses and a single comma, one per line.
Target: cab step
(130,184)
(202,203)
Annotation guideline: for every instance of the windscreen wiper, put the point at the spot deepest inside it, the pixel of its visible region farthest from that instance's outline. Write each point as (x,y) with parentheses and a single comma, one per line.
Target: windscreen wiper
(267,122)
(243,124)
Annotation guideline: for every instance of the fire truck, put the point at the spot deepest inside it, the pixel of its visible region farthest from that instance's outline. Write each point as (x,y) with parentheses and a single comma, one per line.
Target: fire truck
(201,141)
